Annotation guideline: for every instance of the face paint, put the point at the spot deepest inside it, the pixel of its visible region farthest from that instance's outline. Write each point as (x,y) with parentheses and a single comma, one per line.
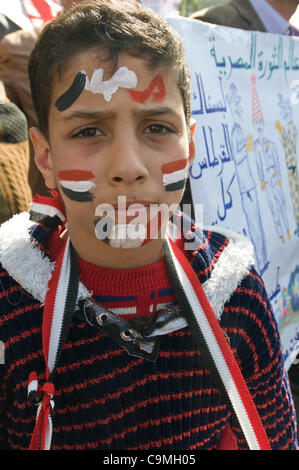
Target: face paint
(174,174)
(156,89)
(122,78)
(103,229)
(139,231)
(76,184)
(66,100)
(119,235)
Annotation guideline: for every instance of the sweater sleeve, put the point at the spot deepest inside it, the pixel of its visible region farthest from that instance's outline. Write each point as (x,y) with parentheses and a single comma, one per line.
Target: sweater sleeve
(4,389)
(4,400)
(251,328)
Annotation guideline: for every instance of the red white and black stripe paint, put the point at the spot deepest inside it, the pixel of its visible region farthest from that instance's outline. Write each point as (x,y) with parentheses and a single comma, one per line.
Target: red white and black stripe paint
(155,90)
(174,174)
(68,98)
(122,78)
(76,184)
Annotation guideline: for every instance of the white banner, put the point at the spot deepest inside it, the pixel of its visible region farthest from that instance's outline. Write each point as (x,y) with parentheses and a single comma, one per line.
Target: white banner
(245,98)
(163,7)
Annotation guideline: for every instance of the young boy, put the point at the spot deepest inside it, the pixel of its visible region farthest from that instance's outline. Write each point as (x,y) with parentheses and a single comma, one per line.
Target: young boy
(103,330)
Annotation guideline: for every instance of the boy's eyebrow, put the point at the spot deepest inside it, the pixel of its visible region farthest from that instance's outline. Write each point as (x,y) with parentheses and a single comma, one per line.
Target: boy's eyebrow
(155,111)
(86,115)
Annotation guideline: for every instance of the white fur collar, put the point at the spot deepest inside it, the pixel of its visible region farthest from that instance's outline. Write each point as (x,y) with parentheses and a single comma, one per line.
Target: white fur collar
(232,266)
(25,262)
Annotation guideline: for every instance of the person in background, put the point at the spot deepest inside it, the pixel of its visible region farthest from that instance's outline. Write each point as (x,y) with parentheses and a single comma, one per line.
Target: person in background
(15,193)
(15,49)
(270,16)
(7,25)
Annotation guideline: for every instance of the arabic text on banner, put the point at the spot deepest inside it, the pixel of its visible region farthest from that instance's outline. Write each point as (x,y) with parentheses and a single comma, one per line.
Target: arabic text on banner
(245,98)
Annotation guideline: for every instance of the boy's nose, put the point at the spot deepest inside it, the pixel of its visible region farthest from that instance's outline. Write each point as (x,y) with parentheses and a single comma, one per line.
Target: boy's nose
(126,162)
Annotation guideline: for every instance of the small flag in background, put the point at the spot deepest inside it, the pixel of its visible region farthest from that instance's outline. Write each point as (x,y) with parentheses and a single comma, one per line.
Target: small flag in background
(41,11)
(29,14)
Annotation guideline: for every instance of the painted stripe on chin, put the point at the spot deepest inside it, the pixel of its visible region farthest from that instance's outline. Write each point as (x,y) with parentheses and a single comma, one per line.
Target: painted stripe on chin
(175,186)
(103,229)
(66,100)
(78,196)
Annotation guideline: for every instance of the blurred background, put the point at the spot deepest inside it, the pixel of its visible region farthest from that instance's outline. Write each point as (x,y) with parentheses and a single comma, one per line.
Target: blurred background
(187,7)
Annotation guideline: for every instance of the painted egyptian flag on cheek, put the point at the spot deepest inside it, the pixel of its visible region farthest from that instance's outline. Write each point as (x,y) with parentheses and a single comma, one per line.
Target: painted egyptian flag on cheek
(76,184)
(175,174)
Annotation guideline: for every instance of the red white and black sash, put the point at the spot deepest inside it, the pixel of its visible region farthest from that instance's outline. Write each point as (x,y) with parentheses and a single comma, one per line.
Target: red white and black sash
(60,305)
(213,344)
(47,210)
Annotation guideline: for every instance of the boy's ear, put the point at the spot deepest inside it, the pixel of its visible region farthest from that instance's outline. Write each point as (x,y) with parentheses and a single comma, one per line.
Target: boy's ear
(42,157)
(192,146)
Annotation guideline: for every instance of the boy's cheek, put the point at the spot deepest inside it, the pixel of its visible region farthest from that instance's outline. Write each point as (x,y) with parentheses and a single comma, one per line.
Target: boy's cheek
(77,185)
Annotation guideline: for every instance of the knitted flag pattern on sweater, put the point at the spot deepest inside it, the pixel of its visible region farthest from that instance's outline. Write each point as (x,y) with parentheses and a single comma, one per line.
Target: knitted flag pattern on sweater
(106,399)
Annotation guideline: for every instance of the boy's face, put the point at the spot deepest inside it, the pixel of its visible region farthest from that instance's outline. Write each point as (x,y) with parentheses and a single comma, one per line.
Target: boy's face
(124,134)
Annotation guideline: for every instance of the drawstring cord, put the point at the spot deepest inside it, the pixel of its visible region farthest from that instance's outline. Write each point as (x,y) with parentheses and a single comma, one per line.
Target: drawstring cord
(42,434)
(58,311)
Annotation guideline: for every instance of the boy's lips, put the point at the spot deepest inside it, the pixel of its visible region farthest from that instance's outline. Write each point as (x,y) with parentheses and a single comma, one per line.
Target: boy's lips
(132,209)
(136,202)
(126,211)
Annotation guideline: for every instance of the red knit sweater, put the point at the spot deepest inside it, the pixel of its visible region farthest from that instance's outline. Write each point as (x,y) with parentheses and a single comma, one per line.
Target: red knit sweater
(106,399)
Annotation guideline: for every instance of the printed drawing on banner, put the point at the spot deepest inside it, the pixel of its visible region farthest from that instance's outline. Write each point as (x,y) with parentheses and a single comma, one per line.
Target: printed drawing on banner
(288,304)
(268,168)
(288,137)
(235,147)
(241,147)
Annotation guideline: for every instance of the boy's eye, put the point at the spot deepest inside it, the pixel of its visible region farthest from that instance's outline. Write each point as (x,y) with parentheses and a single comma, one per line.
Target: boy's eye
(158,129)
(88,132)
